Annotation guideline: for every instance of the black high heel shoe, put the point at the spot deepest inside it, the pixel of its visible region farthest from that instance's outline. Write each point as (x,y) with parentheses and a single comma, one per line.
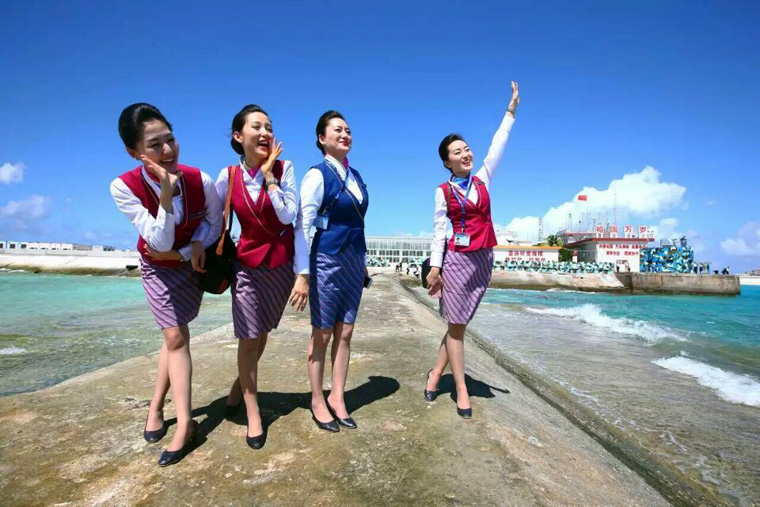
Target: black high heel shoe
(430,396)
(256,442)
(331,426)
(464,413)
(348,422)
(171,457)
(154,436)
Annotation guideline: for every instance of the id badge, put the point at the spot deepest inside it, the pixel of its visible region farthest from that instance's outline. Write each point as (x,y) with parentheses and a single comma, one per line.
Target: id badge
(322,221)
(461,239)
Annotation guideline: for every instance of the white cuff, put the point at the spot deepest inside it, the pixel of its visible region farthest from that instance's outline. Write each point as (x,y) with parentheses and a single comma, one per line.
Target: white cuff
(436,259)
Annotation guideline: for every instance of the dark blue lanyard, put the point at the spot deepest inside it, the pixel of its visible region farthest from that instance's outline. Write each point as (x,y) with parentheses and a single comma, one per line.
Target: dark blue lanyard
(343,182)
(462,202)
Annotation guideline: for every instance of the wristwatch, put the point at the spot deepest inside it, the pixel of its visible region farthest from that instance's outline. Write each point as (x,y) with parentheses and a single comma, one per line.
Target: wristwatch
(273,181)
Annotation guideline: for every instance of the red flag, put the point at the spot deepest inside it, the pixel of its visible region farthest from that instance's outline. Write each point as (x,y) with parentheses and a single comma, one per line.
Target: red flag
(583,197)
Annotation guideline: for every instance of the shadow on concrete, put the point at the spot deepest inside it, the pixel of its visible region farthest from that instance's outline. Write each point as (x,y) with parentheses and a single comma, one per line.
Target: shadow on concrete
(474,387)
(273,405)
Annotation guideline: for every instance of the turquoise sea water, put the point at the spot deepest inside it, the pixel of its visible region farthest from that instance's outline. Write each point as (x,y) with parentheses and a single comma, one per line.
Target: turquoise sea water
(679,374)
(54,327)
(723,332)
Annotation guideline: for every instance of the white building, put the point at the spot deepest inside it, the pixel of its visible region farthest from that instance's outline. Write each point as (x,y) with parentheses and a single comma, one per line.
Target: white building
(525,253)
(624,253)
(391,250)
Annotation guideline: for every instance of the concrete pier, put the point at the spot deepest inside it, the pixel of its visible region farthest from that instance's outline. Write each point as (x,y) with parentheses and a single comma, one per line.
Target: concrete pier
(676,283)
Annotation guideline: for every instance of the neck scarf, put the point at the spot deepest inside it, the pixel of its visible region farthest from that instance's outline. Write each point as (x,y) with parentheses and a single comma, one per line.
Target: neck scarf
(461,182)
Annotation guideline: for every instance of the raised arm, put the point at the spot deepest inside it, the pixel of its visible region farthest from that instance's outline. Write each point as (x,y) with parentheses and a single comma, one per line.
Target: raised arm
(499,141)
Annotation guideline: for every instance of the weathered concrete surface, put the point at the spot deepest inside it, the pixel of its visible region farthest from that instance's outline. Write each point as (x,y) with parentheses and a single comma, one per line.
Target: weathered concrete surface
(74,263)
(81,443)
(672,283)
(591,282)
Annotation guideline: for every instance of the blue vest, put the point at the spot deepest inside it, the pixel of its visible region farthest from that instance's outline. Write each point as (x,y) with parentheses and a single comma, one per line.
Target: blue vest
(345,226)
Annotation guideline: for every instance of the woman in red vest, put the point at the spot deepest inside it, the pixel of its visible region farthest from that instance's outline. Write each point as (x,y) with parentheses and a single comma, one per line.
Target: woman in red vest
(461,278)
(177,214)
(264,198)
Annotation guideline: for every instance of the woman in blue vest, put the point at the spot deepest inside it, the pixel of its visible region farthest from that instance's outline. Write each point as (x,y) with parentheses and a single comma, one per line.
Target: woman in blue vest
(332,271)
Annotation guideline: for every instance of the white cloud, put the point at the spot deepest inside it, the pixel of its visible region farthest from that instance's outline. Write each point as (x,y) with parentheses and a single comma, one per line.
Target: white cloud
(746,242)
(711,202)
(639,195)
(37,206)
(667,228)
(11,173)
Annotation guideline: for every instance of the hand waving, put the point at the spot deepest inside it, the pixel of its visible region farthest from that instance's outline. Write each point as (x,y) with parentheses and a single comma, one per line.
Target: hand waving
(515,96)
(275,150)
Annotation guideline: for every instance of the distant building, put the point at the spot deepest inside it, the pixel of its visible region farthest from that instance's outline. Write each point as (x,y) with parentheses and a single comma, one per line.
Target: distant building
(51,246)
(522,253)
(391,250)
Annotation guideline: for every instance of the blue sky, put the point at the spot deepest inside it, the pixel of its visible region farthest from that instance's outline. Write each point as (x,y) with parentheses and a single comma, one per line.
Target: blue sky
(663,92)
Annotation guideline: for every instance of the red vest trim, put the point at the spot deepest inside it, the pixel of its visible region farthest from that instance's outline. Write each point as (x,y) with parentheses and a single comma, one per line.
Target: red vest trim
(263,238)
(193,200)
(478,222)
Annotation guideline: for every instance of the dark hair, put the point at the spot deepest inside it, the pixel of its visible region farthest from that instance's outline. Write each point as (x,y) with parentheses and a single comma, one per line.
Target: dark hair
(443,148)
(239,121)
(132,120)
(322,125)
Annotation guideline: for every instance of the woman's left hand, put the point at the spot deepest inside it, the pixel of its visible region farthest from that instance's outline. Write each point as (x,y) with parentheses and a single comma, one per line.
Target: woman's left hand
(275,150)
(515,96)
(171,255)
(198,259)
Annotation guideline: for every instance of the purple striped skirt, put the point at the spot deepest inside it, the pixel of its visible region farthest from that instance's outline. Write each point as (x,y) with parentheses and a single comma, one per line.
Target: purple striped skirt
(336,287)
(465,279)
(259,296)
(173,293)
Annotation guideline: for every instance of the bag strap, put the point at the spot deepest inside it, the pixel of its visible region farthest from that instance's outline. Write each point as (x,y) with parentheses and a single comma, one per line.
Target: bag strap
(231,181)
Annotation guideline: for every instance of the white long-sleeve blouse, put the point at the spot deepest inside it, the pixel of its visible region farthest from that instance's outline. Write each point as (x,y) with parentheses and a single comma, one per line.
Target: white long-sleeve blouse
(158,232)
(312,194)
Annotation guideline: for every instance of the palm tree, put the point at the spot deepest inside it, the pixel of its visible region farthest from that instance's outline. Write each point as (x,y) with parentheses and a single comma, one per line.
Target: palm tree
(553,240)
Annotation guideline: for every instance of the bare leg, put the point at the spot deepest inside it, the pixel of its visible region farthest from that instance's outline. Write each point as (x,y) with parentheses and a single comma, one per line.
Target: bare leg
(156,411)
(236,392)
(455,351)
(340,355)
(316,366)
(248,366)
(440,366)
(180,366)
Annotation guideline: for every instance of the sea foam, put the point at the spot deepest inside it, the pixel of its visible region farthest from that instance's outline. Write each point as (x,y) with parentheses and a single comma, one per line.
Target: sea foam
(10,351)
(592,315)
(732,387)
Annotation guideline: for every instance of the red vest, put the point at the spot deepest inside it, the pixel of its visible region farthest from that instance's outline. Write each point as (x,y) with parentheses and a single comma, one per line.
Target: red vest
(193,200)
(263,238)
(478,217)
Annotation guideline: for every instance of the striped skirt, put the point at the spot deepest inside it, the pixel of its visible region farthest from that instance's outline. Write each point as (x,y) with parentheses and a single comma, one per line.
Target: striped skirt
(465,279)
(173,293)
(259,296)
(336,287)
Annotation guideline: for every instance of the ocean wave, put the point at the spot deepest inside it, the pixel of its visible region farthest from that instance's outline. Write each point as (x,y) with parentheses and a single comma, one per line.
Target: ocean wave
(733,387)
(11,351)
(571,291)
(592,315)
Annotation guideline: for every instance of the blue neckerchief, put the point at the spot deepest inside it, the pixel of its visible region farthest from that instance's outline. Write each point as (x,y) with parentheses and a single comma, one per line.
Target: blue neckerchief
(461,182)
